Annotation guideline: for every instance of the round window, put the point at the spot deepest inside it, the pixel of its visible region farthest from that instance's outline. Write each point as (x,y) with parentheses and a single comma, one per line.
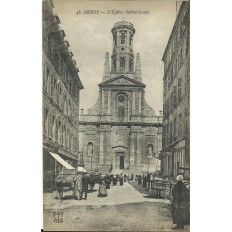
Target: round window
(121,98)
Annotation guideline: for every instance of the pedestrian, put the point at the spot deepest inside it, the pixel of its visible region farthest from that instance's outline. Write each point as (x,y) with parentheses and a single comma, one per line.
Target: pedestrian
(136,177)
(121,179)
(111,168)
(152,180)
(144,181)
(78,187)
(118,179)
(91,182)
(132,177)
(114,180)
(139,180)
(85,183)
(102,188)
(179,204)
(125,178)
(107,181)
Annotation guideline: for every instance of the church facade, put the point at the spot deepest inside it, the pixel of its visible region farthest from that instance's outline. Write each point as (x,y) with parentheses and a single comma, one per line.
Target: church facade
(121,131)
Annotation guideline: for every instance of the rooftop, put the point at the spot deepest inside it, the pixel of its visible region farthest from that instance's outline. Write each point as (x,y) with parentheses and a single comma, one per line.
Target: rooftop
(123,23)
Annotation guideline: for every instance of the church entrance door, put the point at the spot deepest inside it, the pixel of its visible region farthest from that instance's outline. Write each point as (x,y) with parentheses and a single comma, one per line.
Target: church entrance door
(121,162)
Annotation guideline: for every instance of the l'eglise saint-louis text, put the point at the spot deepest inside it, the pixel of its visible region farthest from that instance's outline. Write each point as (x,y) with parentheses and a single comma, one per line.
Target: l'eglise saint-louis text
(137,12)
(116,12)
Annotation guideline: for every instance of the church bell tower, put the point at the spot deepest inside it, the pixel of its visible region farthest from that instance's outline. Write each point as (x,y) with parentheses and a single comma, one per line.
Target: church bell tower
(122,59)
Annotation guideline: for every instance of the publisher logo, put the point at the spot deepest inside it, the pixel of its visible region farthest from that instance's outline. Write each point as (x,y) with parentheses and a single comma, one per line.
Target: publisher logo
(58,217)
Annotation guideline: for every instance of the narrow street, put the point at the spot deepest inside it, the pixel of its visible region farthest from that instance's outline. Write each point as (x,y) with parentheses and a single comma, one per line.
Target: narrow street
(111,213)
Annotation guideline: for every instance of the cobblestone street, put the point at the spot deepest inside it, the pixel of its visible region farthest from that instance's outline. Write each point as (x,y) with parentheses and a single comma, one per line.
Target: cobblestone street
(114,210)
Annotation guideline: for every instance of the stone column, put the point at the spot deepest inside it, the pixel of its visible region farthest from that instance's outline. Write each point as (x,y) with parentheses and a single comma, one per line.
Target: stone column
(140,103)
(109,102)
(139,148)
(101,147)
(127,38)
(118,38)
(106,101)
(116,48)
(132,148)
(136,102)
(136,147)
(128,108)
(113,103)
(102,102)
(133,102)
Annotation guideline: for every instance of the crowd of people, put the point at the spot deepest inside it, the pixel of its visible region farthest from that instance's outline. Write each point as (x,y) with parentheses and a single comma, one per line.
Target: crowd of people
(85,182)
(179,192)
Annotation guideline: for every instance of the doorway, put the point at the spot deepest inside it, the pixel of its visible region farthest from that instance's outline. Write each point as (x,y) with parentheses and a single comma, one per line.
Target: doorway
(121,162)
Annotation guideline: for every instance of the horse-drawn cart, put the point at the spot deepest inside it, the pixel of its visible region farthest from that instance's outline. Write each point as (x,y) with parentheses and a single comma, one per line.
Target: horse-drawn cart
(69,180)
(66,180)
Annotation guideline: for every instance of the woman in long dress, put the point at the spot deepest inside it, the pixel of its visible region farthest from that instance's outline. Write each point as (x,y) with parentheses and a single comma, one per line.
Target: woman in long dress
(102,188)
(179,204)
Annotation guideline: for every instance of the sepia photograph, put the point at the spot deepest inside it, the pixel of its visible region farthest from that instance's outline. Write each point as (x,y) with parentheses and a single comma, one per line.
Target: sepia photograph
(116,115)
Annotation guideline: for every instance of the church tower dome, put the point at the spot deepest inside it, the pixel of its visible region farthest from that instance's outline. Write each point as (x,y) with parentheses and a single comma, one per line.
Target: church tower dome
(122,59)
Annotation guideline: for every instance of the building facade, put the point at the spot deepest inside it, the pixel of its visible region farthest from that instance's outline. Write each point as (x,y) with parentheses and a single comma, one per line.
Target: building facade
(121,131)
(61,88)
(175,156)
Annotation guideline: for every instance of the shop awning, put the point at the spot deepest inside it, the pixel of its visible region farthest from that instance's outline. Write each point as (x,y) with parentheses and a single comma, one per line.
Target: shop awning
(81,169)
(61,161)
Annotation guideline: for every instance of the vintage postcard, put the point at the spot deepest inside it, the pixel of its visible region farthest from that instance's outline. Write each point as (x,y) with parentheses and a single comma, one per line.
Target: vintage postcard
(116,116)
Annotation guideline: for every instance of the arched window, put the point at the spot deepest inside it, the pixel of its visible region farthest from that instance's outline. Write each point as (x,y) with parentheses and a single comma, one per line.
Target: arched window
(122,63)
(130,40)
(123,38)
(131,66)
(90,148)
(114,64)
(115,39)
(150,150)
(121,112)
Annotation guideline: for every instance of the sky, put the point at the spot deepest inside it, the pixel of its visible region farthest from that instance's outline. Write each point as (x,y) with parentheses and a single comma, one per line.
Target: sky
(90,38)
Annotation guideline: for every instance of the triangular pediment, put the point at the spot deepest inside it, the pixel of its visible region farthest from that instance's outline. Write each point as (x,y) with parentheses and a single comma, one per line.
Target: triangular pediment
(122,80)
